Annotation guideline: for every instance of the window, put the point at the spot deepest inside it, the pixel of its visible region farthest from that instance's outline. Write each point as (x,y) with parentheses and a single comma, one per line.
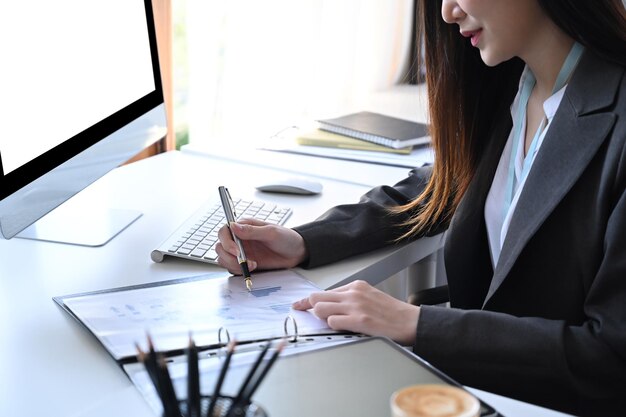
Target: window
(254,68)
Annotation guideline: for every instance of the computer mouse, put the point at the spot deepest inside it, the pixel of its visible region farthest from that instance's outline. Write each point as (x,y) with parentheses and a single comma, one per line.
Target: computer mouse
(292,186)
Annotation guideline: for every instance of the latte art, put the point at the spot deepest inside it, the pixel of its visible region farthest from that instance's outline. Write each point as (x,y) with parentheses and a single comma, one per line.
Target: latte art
(433,401)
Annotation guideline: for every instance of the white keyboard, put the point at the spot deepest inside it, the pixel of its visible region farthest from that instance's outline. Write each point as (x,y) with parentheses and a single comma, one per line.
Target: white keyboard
(196,238)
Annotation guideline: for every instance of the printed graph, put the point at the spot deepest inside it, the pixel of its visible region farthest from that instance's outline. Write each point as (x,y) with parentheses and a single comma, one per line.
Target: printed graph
(265,291)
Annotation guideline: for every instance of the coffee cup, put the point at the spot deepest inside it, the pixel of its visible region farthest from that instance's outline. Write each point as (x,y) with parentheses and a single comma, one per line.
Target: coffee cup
(433,400)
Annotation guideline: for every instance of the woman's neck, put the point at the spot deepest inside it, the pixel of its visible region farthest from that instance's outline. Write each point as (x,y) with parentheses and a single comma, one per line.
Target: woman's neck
(545,55)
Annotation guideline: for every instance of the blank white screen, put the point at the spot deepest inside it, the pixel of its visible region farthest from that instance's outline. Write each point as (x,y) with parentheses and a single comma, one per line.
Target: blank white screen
(61,74)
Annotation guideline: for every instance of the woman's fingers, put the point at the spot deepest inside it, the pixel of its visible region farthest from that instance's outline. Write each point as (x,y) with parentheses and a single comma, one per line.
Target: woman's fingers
(361,308)
(226,243)
(302,305)
(226,259)
(318,297)
(245,229)
(252,221)
(327,309)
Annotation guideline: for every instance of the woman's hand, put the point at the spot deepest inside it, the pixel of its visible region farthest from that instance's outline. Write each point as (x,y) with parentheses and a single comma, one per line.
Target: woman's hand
(361,308)
(267,246)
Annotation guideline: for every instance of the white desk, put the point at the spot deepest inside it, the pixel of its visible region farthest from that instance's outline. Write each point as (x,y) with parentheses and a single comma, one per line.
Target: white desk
(351,172)
(51,366)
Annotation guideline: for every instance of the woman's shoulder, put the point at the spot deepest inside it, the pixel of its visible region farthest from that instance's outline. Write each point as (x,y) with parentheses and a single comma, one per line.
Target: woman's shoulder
(597,85)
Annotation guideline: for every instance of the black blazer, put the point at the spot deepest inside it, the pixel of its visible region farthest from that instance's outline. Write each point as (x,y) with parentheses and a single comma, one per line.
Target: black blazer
(548,324)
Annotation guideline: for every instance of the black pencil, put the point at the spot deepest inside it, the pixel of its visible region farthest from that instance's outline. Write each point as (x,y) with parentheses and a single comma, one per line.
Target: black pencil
(168,397)
(255,385)
(237,402)
(143,358)
(220,378)
(161,380)
(193,380)
(153,368)
(251,373)
(151,357)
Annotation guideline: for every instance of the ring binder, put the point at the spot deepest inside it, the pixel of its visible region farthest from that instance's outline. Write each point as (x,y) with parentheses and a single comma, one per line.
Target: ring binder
(219,336)
(216,308)
(295,328)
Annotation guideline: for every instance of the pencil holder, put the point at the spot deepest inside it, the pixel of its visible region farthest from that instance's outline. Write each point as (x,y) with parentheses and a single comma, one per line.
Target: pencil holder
(222,408)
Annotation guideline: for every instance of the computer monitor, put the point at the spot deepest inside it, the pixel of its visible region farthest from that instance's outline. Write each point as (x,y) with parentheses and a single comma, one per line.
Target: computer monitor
(80,94)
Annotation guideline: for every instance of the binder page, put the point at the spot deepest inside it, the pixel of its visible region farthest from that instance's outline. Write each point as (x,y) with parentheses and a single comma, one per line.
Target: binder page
(170,311)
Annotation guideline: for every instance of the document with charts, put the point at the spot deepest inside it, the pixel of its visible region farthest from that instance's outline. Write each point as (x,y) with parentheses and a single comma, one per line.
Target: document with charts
(170,311)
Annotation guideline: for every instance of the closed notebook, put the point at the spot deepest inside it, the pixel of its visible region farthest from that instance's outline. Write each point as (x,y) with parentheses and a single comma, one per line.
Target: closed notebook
(378,128)
(317,137)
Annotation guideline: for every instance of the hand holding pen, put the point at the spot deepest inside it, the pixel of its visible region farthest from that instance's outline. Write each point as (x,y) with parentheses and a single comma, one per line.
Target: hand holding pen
(269,246)
(231,217)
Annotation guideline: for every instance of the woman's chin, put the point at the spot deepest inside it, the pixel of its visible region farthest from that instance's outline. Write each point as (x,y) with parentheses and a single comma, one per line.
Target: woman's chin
(491,60)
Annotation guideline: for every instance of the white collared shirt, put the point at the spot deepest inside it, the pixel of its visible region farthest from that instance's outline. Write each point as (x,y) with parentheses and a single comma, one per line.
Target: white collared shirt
(497,226)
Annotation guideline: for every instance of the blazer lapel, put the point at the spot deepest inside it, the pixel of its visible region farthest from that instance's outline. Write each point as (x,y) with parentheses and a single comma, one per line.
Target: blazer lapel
(570,144)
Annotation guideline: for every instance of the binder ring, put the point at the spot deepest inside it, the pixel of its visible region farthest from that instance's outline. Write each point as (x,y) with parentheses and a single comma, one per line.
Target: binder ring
(295,329)
(219,335)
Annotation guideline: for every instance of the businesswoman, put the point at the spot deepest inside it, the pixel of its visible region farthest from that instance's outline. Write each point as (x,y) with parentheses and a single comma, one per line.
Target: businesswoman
(528,120)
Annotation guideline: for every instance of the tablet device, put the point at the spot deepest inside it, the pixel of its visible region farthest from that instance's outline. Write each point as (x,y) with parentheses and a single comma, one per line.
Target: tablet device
(354,379)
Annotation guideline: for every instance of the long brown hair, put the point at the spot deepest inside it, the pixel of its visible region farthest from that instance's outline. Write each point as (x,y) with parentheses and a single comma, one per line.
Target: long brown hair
(467,98)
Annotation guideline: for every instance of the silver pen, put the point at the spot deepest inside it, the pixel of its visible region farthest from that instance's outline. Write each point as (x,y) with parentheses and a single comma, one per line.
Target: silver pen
(231,217)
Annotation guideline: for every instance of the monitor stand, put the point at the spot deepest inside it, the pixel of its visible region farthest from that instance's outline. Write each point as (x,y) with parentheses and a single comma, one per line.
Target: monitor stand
(93,227)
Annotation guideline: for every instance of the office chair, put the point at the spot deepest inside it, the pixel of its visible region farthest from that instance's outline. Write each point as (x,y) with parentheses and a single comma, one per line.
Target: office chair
(438,294)
(430,296)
